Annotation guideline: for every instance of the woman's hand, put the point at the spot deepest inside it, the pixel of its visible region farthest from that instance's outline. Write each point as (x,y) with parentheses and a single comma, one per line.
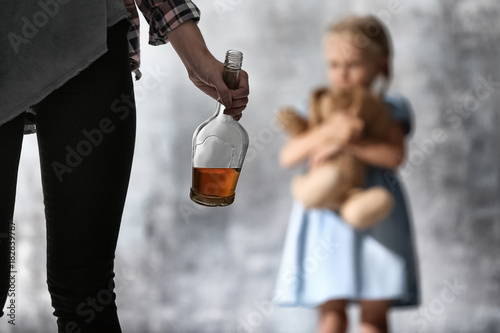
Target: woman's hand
(205,71)
(325,152)
(207,76)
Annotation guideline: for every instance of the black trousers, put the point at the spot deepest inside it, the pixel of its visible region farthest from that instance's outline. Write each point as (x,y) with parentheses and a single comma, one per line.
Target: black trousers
(86,136)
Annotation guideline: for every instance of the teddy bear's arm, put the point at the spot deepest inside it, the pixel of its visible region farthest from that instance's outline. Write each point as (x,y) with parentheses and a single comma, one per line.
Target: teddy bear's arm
(291,121)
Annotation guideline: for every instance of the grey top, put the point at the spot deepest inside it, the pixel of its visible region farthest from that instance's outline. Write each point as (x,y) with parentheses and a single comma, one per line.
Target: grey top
(47,43)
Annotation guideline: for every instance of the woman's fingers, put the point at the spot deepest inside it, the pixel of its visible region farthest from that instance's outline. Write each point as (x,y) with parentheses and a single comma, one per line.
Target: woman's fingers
(235,111)
(235,100)
(243,87)
(239,96)
(238,103)
(237,117)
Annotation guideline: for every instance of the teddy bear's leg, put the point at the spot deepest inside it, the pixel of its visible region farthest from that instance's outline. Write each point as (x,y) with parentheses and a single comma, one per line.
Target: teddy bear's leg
(313,190)
(365,208)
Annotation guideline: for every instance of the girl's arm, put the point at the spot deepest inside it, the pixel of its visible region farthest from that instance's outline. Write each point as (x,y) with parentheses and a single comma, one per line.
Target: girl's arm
(388,154)
(336,130)
(300,146)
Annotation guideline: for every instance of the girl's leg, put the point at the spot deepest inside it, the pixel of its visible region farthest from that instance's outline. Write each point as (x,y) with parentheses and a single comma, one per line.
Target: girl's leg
(86,133)
(333,317)
(374,316)
(11,138)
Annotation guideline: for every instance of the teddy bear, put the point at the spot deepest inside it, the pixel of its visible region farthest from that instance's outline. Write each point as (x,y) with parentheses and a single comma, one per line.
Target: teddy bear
(338,183)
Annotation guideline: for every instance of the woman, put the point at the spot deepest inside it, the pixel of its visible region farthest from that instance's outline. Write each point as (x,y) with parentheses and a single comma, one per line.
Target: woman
(71,63)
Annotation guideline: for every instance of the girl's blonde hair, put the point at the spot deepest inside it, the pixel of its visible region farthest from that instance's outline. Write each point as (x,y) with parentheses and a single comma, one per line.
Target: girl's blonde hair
(368,31)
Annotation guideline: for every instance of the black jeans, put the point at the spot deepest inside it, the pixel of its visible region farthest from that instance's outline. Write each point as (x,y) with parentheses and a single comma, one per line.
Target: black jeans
(86,136)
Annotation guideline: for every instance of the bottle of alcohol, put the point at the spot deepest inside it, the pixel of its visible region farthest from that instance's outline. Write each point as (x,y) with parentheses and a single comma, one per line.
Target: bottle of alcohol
(219,148)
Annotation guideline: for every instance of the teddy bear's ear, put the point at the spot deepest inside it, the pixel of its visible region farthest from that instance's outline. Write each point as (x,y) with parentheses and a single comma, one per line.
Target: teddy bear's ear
(326,106)
(380,120)
(374,114)
(342,100)
(360,102)
(317,106)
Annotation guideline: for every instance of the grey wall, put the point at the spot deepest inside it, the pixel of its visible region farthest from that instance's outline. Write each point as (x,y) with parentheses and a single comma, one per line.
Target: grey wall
(183,268)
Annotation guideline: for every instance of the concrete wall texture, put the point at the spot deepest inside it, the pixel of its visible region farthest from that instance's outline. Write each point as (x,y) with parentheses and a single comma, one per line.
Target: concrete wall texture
(183,268)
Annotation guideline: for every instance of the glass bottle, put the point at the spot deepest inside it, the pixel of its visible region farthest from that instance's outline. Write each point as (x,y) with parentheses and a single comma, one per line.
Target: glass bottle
(219,147)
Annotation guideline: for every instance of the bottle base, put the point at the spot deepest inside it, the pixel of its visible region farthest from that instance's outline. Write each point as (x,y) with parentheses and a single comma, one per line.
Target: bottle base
(210,200)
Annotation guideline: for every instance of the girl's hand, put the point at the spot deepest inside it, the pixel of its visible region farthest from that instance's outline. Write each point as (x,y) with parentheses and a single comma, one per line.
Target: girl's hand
(323,153)
(342,128)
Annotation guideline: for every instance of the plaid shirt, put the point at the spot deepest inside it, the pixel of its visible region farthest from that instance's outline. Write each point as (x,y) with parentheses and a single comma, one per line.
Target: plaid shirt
(163,16)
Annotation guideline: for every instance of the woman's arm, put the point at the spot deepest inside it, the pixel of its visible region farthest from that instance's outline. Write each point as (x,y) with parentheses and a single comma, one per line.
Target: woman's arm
(205,71)
(388,154)
(175,22)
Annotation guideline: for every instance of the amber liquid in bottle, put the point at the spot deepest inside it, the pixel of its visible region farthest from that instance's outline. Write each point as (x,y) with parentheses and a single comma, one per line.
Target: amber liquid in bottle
(214,186)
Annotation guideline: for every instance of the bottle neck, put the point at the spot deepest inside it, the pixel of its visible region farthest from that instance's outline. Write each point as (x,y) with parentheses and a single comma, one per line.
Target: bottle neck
(231,78)
(219,110)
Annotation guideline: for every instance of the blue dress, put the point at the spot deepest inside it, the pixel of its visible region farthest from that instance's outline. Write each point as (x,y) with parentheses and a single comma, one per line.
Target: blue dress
(326,259)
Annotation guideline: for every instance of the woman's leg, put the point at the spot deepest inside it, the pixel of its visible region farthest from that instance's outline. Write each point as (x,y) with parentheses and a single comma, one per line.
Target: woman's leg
(11,138)
(86,134)
(374,316)
(333,317)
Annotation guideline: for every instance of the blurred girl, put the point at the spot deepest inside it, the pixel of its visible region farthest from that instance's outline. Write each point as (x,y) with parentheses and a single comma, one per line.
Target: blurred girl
(326,263)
